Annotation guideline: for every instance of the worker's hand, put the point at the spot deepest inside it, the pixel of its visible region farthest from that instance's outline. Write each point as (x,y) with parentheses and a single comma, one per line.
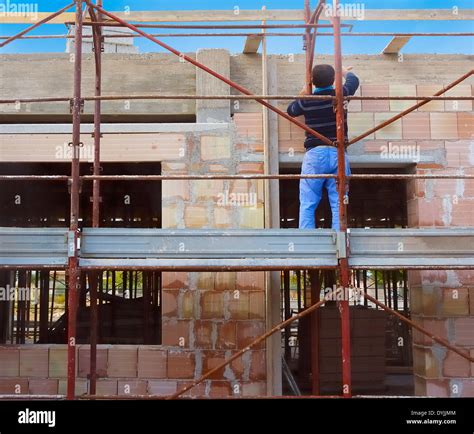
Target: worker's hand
(346,70)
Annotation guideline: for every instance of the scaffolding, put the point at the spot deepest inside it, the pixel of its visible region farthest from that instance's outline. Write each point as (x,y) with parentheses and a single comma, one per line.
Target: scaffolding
(341,254)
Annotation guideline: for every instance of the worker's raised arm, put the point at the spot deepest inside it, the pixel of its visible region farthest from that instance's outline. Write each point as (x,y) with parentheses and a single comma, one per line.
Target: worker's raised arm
(352,82)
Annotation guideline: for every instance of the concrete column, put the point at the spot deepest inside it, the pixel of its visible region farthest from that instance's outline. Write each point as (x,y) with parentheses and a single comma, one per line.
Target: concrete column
(209,111)
(274,366)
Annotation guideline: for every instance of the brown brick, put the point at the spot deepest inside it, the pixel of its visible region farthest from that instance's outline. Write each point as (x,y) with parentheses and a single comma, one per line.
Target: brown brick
(465,277)
(43,387)
(195,216)
(203,334)
(430,90)
(169,302)
(463,105)
(250,281)
(162,387)
(239,304)
(466,125)
(175,280)
(443,187)
(376,146)
(464,331)
(437,388)
(434,326)
(58,361)
(175,333)
(188,304)
(223,217)
(34,361)
(238,367)
(458,153)
(250,168)
(106,387)
(218,168)
(258,369)
(82,387)
(249,126)
(226,335)
(456,366)
(254,389)
(225,281)
(251,217)
(401,90)
(122,361)
(374,105)
(212,305)
(9,362)
(181,364)
(462,214)
(392,131)
(471,301)
(220,389)
(175,189)
(257,305)
(472,364)
(211,360)
(248,331)
(198,391)
(416,125)
(426,363)
(215,147)
(206,280)
(13,386)
(152,362)
(444,126)
(467,388)
(171,216)
(84,361)
(358,123)
(455,302)
(168,167)
(208,189)
(132,387)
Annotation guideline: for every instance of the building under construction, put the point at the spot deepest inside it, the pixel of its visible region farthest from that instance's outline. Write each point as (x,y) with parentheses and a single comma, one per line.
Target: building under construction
(149,241)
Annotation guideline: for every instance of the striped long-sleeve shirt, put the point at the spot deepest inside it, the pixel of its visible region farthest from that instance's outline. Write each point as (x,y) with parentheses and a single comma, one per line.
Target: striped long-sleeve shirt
(319,114)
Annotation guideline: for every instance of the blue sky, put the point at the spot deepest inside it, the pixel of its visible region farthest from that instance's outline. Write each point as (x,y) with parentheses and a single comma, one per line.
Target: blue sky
(351,45)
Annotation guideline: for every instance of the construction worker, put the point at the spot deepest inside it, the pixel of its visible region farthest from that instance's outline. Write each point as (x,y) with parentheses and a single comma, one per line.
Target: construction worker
(319,157)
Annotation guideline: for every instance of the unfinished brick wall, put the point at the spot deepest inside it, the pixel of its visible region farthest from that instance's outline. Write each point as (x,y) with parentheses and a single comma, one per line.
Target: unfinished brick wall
(206,317)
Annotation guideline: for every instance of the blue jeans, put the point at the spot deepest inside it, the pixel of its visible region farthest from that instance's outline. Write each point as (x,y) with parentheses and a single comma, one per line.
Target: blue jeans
(319,160)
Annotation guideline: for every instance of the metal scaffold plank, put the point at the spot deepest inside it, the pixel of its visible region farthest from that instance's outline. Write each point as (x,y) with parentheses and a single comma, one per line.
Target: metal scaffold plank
(240,249)
(372,248)
(38,247)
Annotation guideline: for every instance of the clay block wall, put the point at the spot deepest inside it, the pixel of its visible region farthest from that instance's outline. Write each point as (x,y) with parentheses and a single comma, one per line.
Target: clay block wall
(206,317)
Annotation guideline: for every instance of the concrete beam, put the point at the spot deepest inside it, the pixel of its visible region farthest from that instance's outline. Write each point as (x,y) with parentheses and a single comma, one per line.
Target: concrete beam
(396,44)
(253,15)
(210,111)
(252,44)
